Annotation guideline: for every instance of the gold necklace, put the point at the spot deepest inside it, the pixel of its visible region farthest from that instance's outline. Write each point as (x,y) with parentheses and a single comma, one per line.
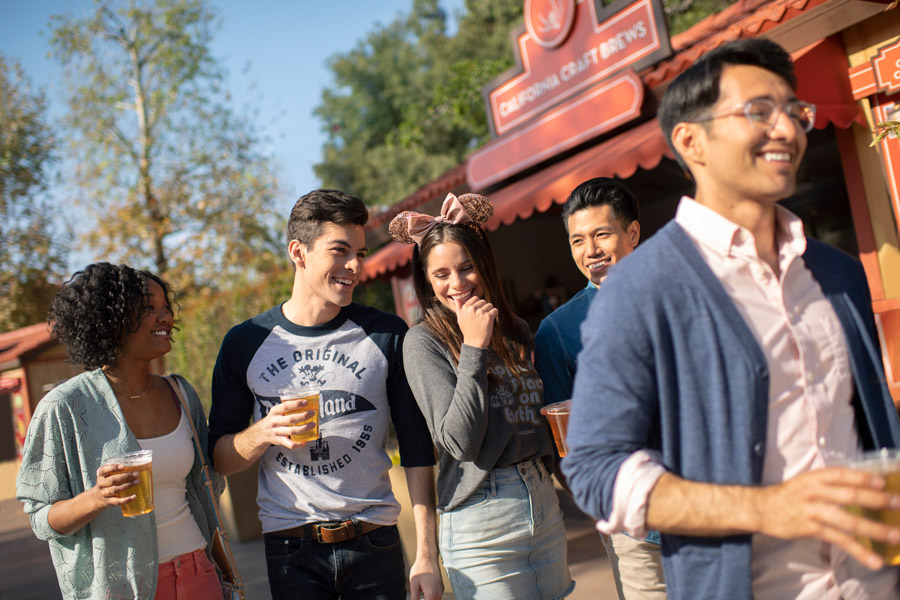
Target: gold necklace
(130,397)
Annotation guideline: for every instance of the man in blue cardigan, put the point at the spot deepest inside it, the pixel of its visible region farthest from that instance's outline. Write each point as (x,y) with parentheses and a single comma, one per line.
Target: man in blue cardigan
(733,360)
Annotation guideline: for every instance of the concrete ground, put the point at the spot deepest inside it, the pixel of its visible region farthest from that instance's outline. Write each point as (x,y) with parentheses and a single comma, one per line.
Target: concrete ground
(26,572)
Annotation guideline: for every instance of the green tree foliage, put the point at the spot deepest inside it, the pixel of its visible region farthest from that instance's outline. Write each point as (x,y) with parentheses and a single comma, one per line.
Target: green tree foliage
(406,103)
(683,14)
(882,130)
(206,315)
(32,249)
(173,176)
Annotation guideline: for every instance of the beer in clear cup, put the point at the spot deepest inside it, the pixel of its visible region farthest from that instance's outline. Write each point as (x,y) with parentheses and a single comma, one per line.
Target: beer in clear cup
(884,462)
(557,414)
(311,395)
(139,462)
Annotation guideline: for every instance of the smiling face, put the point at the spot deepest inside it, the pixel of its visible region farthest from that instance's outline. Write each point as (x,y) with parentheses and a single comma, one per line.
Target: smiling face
(452,275)
(598,240)
(735,160)
(153,337)
(329,270)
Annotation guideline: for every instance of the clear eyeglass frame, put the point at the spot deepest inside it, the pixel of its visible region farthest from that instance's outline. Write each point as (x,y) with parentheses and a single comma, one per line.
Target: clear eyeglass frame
(763,113)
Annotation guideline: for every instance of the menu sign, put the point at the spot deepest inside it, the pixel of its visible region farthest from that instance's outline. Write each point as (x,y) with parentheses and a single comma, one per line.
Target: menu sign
(568,46)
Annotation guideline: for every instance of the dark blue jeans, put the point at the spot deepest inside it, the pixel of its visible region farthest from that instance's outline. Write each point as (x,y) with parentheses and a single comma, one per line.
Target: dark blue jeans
(364,568)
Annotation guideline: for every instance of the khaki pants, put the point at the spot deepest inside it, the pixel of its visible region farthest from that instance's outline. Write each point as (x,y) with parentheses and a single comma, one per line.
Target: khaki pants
(637,567)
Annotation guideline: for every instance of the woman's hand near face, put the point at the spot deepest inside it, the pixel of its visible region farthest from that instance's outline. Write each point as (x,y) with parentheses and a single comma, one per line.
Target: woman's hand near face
(69,516)
(476,321)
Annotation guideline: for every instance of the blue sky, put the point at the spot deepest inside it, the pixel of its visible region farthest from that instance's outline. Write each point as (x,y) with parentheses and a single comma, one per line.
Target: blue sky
(275,52)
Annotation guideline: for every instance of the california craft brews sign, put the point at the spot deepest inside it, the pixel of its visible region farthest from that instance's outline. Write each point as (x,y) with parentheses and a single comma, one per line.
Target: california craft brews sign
(574,80)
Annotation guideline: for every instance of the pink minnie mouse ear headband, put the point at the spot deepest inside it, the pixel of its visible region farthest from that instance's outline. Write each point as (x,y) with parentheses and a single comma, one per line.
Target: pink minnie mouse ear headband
(411,227)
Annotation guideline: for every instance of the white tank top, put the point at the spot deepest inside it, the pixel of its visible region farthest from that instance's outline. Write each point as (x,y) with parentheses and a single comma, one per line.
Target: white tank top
(173,456)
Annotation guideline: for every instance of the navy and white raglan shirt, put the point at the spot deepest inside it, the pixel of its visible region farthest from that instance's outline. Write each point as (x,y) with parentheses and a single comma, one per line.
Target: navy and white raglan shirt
(356,358)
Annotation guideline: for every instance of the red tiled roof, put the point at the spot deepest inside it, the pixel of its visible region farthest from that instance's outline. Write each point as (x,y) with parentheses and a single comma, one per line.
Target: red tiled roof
(747,18)
(14,344)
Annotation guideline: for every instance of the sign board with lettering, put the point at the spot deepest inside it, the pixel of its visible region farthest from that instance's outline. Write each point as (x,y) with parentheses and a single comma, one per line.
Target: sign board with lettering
(602,108)
(575,81)
(566,47)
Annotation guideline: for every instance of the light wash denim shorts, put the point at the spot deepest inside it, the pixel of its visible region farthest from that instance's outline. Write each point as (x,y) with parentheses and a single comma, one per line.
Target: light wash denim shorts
(508,540)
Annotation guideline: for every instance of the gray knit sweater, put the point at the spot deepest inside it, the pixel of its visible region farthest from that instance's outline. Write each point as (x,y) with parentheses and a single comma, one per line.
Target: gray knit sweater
(480,414)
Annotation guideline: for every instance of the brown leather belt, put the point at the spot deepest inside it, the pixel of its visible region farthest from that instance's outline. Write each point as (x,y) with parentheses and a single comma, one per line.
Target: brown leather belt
(329,533)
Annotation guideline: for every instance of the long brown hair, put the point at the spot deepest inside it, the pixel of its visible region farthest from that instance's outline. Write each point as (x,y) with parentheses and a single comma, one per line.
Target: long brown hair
(508,339)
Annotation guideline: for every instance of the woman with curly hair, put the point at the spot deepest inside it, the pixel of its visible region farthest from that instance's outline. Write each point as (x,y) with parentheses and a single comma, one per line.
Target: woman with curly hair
(468,365)
(114,321)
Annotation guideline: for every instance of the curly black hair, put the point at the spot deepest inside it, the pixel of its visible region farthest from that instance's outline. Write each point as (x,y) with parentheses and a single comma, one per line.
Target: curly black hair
(97,309)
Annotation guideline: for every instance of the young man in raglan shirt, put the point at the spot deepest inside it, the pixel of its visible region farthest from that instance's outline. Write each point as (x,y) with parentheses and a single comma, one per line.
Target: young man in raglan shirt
(327,510)
(601,219)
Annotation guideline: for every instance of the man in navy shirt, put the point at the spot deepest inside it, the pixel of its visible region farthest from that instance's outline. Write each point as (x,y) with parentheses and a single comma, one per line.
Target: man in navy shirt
(601,220)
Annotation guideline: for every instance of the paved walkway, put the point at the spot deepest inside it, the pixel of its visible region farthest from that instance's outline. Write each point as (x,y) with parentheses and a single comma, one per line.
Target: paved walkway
(26,572)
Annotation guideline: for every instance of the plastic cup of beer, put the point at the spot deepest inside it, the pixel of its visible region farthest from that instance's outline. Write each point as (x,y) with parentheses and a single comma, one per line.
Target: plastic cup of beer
(557,414)
(136,462)
(884,462)
(311,395)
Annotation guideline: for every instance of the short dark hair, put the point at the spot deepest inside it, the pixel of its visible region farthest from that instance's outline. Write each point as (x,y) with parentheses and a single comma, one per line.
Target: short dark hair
(696,90)
(314,209)
(602,191)
(93,312)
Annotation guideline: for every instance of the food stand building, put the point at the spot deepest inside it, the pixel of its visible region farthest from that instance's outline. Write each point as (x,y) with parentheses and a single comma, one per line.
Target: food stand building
(581,103)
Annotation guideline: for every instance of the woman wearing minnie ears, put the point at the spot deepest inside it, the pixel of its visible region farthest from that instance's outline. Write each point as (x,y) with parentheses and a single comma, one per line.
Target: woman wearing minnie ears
(467,362)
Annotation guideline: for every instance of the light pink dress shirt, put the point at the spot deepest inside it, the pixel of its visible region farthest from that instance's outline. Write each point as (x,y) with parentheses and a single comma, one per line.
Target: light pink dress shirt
(810,419)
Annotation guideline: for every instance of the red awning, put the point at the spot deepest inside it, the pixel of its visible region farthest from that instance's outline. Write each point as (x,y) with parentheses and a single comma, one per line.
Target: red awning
(390,257)
(642,146)
(821,78)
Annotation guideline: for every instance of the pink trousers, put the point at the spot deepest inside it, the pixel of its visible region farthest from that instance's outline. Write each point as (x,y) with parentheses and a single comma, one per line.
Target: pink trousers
(188,577)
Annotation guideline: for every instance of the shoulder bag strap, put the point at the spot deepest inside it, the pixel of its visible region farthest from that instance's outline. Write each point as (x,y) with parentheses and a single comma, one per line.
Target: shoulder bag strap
(207,482)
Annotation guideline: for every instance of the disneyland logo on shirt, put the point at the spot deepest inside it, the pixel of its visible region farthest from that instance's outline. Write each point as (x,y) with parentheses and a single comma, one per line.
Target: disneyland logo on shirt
(332,404)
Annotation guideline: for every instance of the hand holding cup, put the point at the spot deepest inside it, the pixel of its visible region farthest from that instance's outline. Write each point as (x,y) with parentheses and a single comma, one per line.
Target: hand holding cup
(127,481)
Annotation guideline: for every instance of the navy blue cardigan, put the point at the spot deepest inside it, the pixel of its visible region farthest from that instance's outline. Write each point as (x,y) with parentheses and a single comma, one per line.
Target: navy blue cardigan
(668,363)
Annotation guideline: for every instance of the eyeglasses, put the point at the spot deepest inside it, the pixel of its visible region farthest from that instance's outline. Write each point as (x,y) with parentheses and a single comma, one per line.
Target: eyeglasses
(763,113)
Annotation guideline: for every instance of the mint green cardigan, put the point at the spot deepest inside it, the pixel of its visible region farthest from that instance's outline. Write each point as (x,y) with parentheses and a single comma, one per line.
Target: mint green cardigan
(74,428)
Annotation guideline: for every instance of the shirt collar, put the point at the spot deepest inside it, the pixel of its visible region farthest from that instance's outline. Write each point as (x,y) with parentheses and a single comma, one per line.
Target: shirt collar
(727,238)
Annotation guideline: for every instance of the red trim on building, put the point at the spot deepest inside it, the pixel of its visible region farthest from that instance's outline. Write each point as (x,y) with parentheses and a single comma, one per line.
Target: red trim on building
(859,209)
(643,146)
(15,344)
(748,18)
